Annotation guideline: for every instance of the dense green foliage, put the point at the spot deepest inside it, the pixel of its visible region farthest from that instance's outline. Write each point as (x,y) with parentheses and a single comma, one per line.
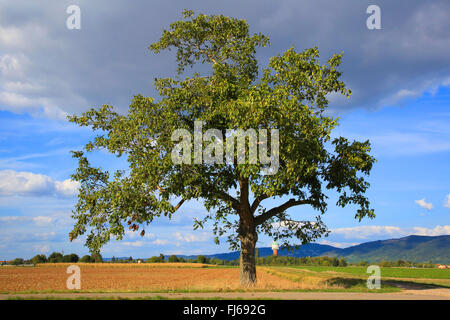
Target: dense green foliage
(230,91)
(154,259)
(320,263)
(17,261)
(202,259)
(85,258)
(55,257)
(96,257)
(40,258)
(70,258)
(303,261)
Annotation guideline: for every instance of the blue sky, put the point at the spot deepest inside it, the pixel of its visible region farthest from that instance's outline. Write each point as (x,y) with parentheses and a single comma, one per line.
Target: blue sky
(400,103)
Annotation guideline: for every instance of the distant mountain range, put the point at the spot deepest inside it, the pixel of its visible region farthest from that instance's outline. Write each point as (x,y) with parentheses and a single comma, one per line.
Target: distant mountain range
(307,250)
(411,248)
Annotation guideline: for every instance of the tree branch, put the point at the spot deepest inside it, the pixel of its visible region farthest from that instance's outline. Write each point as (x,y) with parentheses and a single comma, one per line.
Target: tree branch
(257,201)
(160,189)
(227,198)
(276,210)
(221,194)
(206,54)
(178,205)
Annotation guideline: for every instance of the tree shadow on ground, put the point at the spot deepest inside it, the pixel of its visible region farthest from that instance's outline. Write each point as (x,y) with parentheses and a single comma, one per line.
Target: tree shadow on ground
(348,283)
(411,285)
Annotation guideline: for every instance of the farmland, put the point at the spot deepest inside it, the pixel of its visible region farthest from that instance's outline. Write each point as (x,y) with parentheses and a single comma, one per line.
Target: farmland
(133,278)
(417,273)
(195,277)
(353,278)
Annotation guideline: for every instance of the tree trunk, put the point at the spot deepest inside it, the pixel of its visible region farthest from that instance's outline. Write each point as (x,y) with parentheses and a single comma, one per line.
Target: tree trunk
(248,263)
(247,234)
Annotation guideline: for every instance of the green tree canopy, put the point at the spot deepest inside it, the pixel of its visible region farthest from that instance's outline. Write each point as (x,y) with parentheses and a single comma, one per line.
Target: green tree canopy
(96,257)
(39,258)
(70,258)
(86,258)
(202,259)
(55,257)
(229,91)
(17,261)
(154,259)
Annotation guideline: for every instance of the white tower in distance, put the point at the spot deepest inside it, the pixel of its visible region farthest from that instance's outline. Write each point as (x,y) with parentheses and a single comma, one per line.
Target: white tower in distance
(275,248)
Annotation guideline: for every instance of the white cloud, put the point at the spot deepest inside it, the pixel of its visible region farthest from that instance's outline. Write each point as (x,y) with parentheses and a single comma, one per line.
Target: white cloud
(192,237)
(11,219)
(39,221)
(60,219)
(338,244)
(42,220)
(13,182)
(134,234)
(19,103)
(11,36)
(20,86)
(447,202)
(39,249)
(45,235)
(436,231)
(424,204)
(15,99)
(67,187)
(19,93)
(29,36)
(133,243)
(365,232)
(28,183)
(289,224)
(10,65)
(160,242)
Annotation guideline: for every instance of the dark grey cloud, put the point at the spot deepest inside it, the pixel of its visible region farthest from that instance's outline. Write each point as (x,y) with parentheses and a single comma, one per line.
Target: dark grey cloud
(47,68)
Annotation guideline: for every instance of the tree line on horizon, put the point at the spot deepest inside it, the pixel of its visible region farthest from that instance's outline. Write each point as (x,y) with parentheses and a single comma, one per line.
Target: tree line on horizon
(57,257)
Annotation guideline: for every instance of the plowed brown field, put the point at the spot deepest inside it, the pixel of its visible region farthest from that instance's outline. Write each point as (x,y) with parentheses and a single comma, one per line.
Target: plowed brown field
(133,277)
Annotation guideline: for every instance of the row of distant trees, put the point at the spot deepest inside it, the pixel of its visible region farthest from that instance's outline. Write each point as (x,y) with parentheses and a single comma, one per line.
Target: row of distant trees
(400,263)
(198,259)
(306,261)
(173,258)
(336,262)
(57,257)
(291,261)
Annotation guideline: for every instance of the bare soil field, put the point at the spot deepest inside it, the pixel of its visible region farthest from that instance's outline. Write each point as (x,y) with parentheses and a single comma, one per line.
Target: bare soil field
(132,278)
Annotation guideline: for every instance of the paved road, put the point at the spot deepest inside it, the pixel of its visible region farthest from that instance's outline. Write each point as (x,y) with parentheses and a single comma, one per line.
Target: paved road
(431,294)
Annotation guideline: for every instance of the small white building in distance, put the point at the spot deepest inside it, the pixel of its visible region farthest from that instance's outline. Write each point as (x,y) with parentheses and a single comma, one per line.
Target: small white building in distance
(275,248)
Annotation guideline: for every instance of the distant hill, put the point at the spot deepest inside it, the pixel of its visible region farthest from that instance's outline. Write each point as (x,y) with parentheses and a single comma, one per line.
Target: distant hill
(310,249)
(411,248)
